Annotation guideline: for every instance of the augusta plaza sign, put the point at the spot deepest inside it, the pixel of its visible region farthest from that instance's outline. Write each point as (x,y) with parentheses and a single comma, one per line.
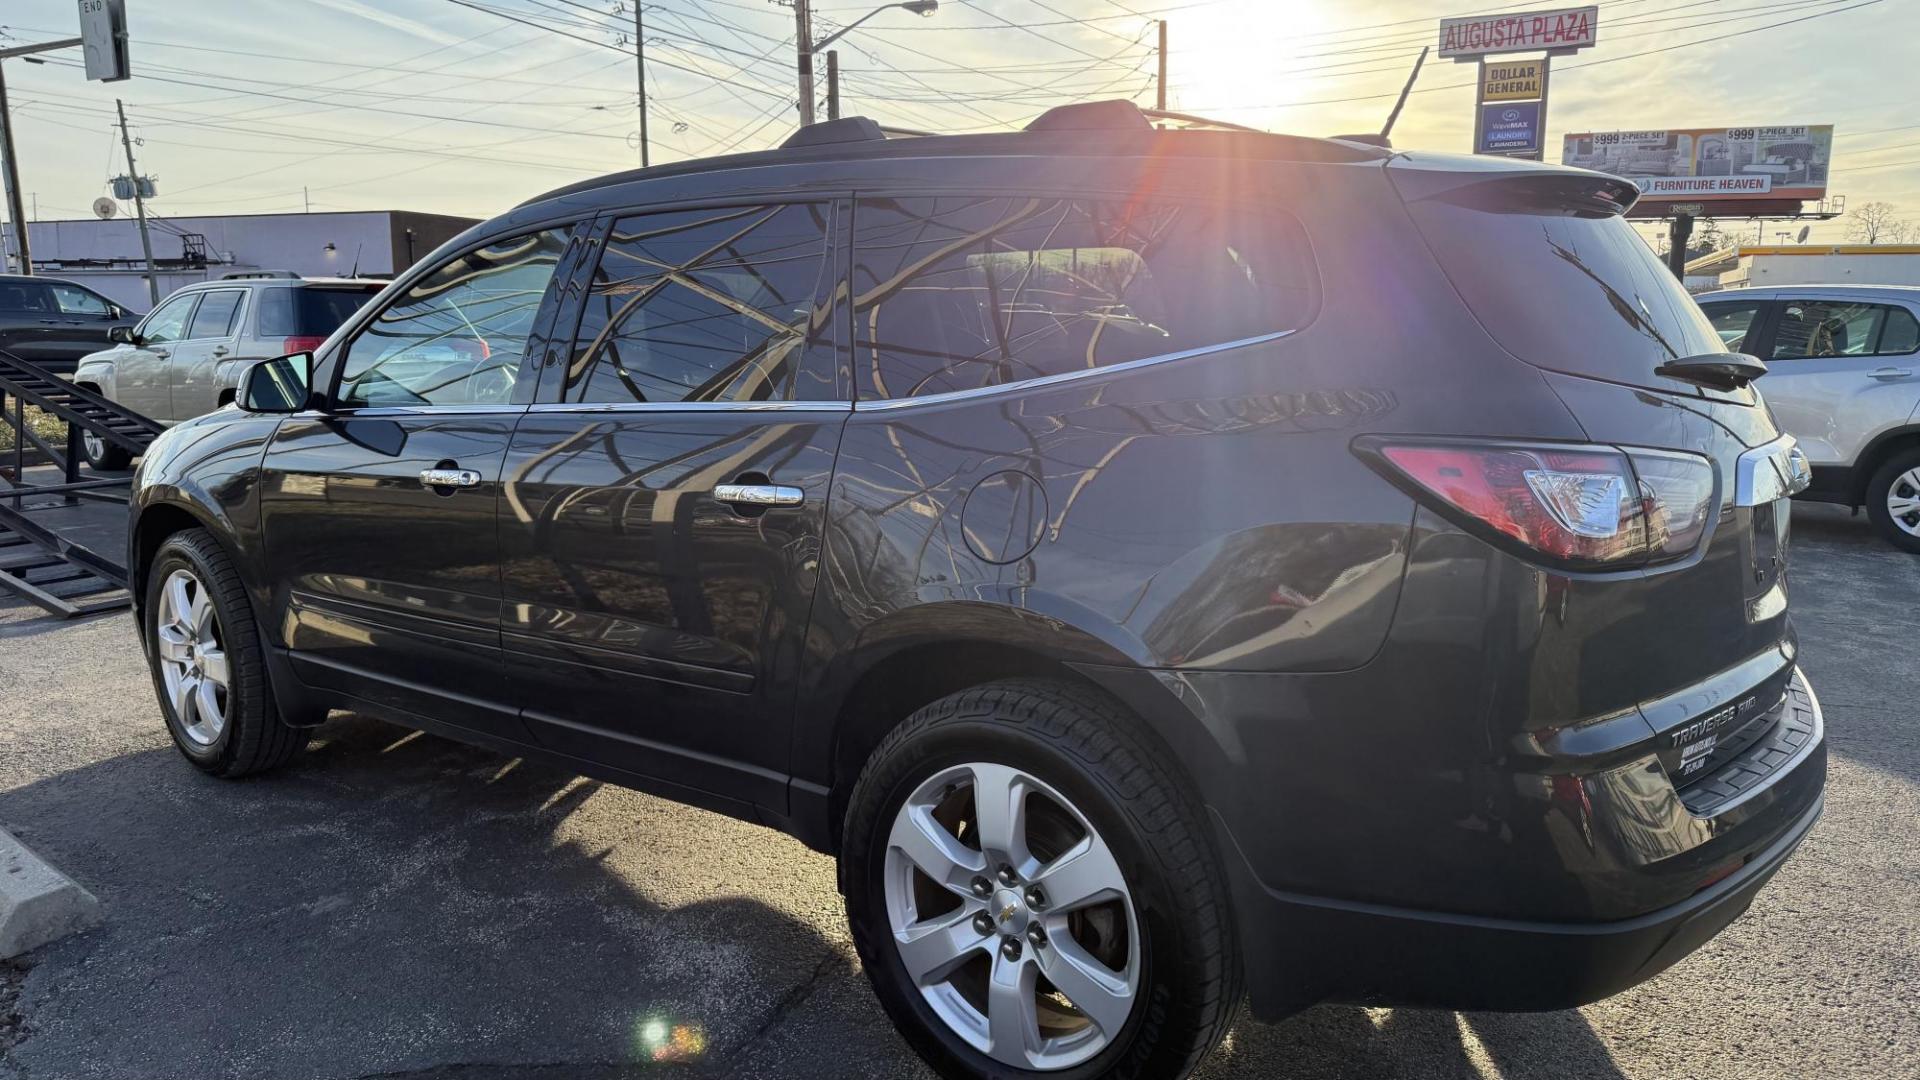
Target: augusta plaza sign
(1571,28)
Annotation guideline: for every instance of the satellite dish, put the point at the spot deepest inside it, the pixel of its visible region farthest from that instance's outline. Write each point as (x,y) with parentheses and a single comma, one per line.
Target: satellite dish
(1804,230)
(104,208)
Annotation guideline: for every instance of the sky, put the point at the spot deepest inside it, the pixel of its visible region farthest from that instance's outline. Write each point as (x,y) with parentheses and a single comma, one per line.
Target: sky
(470,106)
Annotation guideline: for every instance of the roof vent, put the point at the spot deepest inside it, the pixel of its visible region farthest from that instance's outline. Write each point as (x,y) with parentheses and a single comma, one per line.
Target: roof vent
(1116,115)
(847,129)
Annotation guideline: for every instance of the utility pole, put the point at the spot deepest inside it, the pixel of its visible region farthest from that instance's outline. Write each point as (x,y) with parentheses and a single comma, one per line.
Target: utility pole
(1160,84)
(640,61)
(139,205)
(833,84)
(15,212)
(306,200)
(803,41)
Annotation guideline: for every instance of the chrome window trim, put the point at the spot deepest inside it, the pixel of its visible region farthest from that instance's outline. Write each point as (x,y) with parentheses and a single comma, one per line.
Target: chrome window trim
(1046,381)
(1770,471)
(689,406)
(416,410)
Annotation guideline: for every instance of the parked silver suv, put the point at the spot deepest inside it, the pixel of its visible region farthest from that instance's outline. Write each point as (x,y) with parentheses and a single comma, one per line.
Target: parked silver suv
(185,358)
(1845,381)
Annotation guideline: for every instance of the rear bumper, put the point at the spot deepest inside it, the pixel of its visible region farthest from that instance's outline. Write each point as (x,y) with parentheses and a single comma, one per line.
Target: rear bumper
(1700,853)
(1372,955)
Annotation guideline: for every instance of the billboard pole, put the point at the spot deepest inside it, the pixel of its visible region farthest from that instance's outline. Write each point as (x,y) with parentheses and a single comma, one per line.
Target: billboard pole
(1677,236)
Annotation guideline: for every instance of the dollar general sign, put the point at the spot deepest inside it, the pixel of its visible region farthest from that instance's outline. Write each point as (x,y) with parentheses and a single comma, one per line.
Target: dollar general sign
(1513,80)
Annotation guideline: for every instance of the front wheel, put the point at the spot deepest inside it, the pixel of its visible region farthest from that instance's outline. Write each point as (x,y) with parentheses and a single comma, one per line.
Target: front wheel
(101,454)
(1893,500)
(1032,892)
(208,666)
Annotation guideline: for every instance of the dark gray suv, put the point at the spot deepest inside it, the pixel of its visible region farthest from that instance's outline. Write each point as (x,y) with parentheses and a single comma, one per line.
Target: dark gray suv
(1159,565)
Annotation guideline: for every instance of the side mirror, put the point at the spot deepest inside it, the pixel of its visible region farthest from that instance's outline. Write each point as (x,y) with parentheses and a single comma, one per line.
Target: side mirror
(123,335)
(280,385)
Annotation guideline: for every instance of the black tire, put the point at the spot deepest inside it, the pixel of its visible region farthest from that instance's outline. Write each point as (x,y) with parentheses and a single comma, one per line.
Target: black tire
(105,457)
(1885,477)
(253,738)
(102,455)
(1088,748)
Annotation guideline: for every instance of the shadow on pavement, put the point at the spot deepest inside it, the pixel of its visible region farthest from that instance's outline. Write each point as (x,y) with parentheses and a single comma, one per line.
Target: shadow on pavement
(398,903)
(1335,1042)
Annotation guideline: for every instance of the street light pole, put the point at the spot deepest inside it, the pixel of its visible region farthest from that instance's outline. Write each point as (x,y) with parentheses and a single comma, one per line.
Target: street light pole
(640,58)
(15,211)
(833,84)
(803,36)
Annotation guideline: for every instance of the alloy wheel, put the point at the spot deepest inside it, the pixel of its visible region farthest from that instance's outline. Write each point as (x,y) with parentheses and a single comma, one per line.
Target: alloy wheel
(1903,502)
(1012,917)
(193,664)
(96,447)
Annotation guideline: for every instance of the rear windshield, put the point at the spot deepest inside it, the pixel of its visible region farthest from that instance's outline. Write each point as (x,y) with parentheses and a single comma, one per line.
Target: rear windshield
(310,310)
(1573,291)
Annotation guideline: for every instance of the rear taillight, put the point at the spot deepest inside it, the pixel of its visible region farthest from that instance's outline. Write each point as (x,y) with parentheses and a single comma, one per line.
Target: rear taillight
(302,343)
(1581,507)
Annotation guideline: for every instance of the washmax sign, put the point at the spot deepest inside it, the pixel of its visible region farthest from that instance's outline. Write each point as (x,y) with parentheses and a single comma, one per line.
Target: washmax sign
(1510,129)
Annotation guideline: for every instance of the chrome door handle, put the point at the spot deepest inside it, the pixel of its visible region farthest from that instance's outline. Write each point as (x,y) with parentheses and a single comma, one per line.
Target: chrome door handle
(219,350)
(458,478)
(1890,374)
(161,353)
(759,494)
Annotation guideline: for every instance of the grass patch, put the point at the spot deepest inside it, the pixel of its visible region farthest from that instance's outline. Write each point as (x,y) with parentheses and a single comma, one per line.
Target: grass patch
(46,425)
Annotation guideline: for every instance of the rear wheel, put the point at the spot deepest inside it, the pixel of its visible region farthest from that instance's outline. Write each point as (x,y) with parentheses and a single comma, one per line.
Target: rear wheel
(1031,892)
(1893,500)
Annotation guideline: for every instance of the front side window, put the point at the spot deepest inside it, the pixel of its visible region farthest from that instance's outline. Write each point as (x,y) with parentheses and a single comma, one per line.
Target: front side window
(216,314)
(168,321)
(457,335)
(1814,328)
(74,300)
(961,292)
(1733,322)
(703,305)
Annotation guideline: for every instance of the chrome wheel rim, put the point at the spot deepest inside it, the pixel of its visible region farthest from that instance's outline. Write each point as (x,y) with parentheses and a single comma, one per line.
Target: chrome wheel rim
(1012,917)
(1903,502)
(193,664)
(96,446)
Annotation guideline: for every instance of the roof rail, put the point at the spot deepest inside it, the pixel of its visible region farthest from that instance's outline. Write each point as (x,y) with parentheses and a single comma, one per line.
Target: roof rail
(239,275)
(847,129)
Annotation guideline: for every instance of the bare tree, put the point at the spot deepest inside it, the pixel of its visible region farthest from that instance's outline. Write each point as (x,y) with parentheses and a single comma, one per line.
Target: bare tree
(1878,223)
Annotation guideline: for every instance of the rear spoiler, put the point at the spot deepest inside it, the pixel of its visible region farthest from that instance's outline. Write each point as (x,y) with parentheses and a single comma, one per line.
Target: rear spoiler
(1512,189)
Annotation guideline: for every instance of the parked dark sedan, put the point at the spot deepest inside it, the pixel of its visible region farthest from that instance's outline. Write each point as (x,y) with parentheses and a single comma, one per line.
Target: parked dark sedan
(53,323)
(1159,565)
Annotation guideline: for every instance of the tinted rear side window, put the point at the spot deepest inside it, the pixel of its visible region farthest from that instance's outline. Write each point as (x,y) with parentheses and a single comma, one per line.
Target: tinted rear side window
(961,292)
(308,311)
(704,305)
(1573,290)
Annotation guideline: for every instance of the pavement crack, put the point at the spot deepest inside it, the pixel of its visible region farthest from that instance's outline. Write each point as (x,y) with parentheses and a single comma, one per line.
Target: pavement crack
(789,1003)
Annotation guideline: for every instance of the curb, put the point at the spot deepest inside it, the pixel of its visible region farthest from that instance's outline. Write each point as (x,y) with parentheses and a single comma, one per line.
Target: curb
(38,904)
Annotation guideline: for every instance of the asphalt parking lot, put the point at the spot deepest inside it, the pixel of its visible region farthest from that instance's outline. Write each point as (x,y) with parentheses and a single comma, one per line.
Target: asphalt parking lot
(397,905)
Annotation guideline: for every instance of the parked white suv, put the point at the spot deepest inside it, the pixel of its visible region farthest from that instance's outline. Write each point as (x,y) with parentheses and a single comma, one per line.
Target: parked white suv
(1845,381)
(186,356)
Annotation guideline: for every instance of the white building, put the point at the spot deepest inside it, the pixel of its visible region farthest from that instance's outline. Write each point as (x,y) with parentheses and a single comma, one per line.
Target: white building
(106,255)
(1805,264)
